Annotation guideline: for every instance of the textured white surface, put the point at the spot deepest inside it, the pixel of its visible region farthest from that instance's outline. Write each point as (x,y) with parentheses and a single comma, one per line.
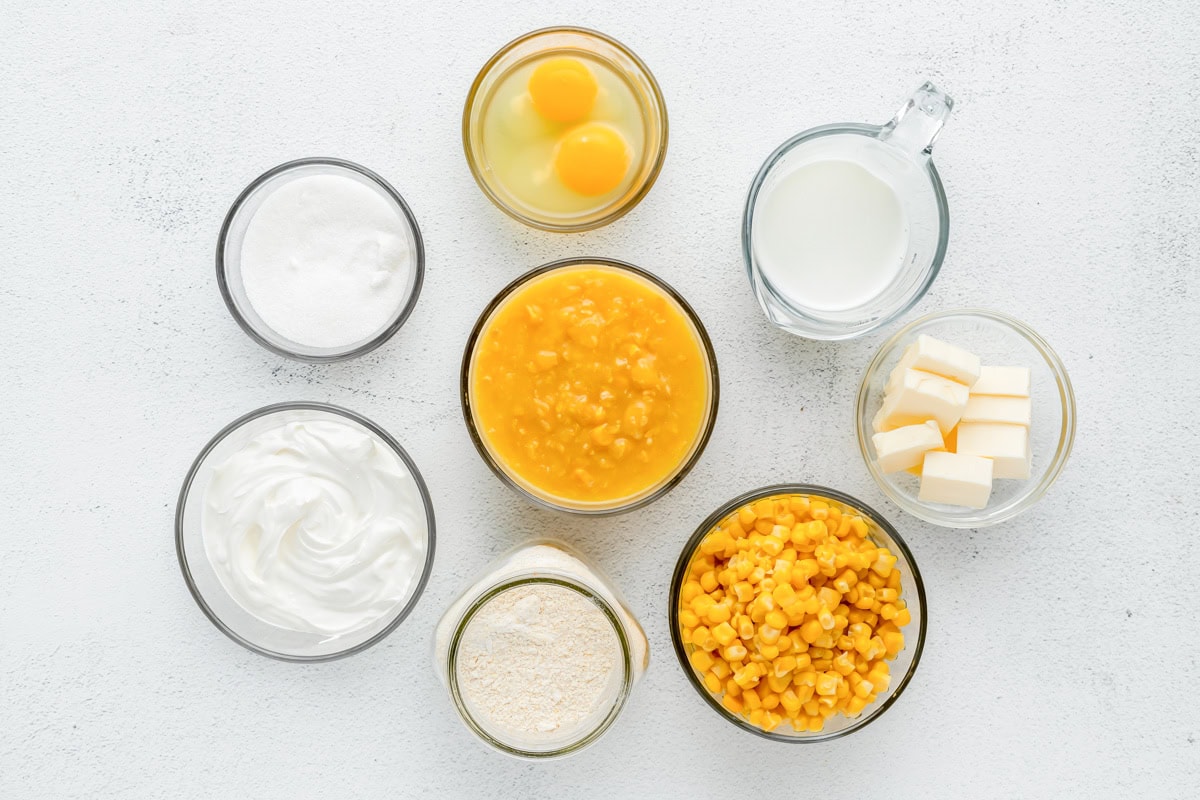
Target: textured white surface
(1062,651)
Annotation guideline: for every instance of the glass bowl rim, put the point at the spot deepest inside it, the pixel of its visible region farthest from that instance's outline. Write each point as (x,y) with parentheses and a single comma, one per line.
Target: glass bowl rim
(304,405)
(676,587)
(935,268)
(344,354)
(706,346)
(494,591)
(1066,438)
(657,100)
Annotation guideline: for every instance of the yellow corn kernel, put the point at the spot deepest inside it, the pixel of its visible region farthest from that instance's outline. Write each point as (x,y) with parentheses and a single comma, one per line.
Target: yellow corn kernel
(701,660)
(690,591)
(784,643)
(746,517)
(893,643)
(803,661)
(764,509)
(776,619)
(810,630)
(859,526)
(815,724)
(819,509)
(743,591)
(784,594)
(884,563)
(844,528)
(745,628)
(825,617)
(724,634)
(770,700)
(888,611)
(768,634)
(712,683)
(790,701)
(719,613)
(863,688)
(842,582)
(827,683)
(702,565)
(731,687)
(768,651)
(702,637)
(772,547)
(855,706)
(757,716)
(732,703)
(708,581)
(721,669)
(702,604)
(784,665)
(843,663)
(903,617)
(812,707)
(688,618)
(751,699)
(778,683)
(734,652)
(747,677)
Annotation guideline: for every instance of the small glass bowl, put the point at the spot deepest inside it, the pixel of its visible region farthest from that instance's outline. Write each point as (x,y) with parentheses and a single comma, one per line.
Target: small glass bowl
(566,40)
(229,263)
(650,494)
(543,562)
(205,585)
(999,340)
(903,665)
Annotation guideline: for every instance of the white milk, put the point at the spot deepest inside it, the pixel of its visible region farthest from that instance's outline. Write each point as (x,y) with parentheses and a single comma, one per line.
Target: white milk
(829,235)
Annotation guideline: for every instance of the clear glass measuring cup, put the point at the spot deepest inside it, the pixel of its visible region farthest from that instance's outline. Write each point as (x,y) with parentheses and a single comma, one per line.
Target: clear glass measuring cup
(846,225)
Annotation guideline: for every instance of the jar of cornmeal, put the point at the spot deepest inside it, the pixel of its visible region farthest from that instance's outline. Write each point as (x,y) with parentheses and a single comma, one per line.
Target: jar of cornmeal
(540,654)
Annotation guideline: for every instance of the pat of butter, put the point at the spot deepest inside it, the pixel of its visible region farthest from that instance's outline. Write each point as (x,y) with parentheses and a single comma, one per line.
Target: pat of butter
(1006,445)
(956,480)
(906,447)
(913,397)
(989,408)
(941,358)
(1006,381)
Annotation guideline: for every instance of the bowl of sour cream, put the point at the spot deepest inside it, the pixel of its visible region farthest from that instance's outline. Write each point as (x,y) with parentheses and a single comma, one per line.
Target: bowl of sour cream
(304,532)
(320,260)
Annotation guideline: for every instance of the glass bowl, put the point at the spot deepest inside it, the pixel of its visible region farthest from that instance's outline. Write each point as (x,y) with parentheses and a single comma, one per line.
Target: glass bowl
(205,585)
(566,40)
(229,265)
(903,666)
(524,487)
(999,340)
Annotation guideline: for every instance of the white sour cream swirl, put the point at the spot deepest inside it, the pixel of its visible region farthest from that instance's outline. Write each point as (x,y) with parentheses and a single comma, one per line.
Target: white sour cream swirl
(315,526)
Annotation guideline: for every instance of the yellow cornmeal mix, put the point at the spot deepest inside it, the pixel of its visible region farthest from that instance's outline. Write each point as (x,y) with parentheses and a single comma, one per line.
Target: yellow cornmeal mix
(790,612)
(590,384)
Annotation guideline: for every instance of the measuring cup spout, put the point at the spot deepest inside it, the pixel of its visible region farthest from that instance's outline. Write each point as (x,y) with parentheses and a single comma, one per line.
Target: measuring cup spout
(919,121)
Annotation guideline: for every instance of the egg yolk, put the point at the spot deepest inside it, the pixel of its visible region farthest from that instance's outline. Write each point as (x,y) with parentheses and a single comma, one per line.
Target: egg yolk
(592,159)
(563,89)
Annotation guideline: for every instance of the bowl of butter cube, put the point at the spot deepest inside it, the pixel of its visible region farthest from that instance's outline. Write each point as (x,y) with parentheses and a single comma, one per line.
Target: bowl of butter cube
(965,418)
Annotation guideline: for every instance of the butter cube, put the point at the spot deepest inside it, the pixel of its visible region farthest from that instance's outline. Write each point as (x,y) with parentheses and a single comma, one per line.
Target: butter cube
(941,358)
(1006,445)
(906,447)
(1006,381)
(1007,410)
(914,396)
(956,480)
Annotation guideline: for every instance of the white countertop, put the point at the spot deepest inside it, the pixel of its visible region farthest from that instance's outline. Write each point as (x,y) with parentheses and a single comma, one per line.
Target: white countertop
(1062,657)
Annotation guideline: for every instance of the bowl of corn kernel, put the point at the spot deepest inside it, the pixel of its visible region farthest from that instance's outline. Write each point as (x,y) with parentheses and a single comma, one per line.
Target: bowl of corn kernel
(797,613)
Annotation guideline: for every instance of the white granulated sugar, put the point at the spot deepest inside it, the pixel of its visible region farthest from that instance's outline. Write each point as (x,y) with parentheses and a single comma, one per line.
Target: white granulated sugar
(326,260)
(537,661)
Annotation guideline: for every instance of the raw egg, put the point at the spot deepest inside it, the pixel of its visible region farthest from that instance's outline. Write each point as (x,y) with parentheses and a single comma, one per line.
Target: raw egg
(563,89)
(592,159)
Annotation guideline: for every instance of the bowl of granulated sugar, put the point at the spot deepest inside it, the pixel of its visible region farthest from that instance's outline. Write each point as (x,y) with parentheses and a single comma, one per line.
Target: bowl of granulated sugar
(320,260)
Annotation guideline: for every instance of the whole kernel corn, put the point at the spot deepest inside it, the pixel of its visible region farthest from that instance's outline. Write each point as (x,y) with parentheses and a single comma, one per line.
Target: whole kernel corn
(790,612)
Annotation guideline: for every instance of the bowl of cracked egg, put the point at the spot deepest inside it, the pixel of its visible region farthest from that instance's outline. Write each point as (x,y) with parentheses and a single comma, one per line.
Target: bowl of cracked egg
(565,129)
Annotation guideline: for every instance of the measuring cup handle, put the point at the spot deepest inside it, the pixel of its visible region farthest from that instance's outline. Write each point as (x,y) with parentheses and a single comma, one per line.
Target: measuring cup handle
(919,121)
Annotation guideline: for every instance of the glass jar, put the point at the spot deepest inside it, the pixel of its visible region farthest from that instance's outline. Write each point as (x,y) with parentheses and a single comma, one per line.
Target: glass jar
(546,565)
